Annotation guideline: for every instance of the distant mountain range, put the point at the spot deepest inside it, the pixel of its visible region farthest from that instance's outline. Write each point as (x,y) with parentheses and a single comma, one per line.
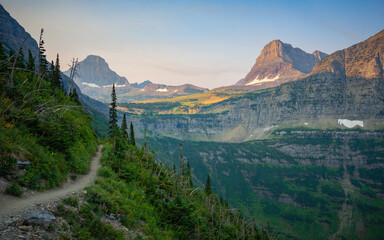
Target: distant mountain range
(280,63)
(348,84)
(95,79)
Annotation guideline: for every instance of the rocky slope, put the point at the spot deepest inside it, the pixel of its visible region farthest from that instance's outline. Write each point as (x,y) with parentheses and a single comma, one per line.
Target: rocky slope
(280,63)
(362,60)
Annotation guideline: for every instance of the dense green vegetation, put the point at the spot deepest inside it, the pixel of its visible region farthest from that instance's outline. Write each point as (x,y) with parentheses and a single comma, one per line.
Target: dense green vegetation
(153,202)
(41,125)
(292,189)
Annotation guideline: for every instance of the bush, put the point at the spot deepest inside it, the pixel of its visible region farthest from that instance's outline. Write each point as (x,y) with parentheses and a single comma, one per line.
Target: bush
(14,190)
(71,201)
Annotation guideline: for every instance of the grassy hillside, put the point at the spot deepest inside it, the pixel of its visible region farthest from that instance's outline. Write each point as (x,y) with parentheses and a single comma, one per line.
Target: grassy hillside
(42,126)
(181,105)
(307,183)
(136,198)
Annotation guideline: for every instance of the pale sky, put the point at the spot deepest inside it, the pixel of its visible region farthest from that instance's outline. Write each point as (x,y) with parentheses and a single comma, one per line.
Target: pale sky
(205,43)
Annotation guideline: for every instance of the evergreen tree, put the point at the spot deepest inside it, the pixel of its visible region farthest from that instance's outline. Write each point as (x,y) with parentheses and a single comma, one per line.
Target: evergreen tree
(132,135)
(31,62)
(208,189)
(51,71)
(113,115)
(56,74)
(3,58)
(124,128)
(74,96)
(43,64)
(20,59)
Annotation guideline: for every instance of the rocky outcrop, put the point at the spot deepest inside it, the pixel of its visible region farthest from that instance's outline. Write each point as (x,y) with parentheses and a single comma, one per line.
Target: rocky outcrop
(280,63)
(362,60)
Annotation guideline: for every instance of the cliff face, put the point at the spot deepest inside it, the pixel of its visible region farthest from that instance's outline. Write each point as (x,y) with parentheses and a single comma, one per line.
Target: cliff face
(280,63)
(313,100)
(363,60)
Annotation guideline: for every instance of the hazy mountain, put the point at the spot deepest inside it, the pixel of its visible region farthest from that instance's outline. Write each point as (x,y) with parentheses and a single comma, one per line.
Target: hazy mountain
(12,35)
(95,79)
(280,63)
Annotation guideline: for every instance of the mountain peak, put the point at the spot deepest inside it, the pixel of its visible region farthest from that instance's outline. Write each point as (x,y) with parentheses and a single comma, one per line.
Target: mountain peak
(278,63)
(319,55)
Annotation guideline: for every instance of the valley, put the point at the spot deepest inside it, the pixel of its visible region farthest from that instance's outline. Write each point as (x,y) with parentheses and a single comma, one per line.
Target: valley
(294,150)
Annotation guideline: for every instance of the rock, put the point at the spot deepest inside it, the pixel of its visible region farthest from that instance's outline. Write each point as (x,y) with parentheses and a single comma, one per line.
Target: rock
(84,192)
(39,217)
(25,228)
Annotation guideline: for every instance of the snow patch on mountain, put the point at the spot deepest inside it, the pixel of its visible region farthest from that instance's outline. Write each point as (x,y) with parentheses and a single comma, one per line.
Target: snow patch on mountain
(258,81)
(162,90)
(91,85)
(350,123)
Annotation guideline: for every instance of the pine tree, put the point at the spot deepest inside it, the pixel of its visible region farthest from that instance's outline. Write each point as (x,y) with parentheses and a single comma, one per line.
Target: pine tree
(20,59)
(74,96)
(56,74)
(3,58)
(31,62)
(113,114)
(124,128)
(132,135)
(43,64)
(208,189)
(51,72)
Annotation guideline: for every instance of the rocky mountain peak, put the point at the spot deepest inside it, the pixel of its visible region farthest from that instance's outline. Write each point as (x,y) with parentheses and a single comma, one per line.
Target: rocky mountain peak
(319,55)
(278,63)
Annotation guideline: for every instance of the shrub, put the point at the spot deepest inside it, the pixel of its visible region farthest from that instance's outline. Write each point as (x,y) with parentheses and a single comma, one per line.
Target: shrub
(71,201)
(14,190)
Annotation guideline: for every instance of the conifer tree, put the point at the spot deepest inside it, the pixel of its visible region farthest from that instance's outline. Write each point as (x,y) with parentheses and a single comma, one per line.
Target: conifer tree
(113,114)
(31,62)
(56,74)
(124,128)
(208,189)
(3,58)
(20,59)
(132,135)
(51,72)
(43,66)
(73,94)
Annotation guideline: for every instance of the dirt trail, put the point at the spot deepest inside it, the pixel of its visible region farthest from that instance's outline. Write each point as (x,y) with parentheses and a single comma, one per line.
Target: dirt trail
(11,205)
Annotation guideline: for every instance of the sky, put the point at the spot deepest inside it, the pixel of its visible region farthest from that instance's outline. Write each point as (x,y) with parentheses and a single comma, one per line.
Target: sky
(205,43)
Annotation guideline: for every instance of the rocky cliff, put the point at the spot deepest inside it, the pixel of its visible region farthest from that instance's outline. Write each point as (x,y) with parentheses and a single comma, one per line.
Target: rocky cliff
(280,63)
